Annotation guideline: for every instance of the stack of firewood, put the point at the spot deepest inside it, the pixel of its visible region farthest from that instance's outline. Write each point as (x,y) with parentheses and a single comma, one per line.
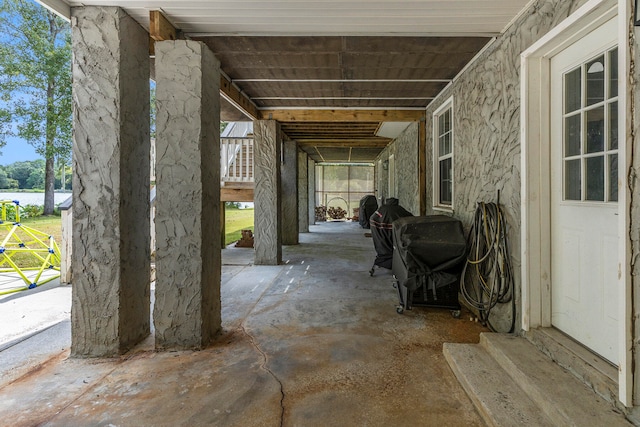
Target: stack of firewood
(246,241)
(336,213)
(321,213)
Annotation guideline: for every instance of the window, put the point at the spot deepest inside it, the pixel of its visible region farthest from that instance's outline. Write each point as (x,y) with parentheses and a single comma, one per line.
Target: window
(590,122)
(443,156)
(343,185)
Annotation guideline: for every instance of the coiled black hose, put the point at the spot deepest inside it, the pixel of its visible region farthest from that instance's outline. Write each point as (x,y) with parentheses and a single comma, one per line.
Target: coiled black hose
(487,276)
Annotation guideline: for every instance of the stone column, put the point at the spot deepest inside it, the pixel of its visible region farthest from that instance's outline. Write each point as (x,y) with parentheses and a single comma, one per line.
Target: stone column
(111,237)
(311,172)
(289,192)
(266,166)
(303,192)
(187,306)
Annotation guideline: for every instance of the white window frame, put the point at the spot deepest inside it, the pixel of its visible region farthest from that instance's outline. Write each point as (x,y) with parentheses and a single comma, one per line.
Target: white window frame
(437,158)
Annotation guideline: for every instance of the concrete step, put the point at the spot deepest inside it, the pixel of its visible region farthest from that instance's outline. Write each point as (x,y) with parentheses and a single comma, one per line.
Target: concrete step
(494,393)
(596,373)
(512,382)
(561,396)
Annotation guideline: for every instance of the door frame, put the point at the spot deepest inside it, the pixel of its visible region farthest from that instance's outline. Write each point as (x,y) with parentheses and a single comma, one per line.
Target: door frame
(536,172)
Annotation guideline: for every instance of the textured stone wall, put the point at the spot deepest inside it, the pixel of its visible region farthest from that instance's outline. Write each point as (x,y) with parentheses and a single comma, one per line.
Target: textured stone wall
(407,173)
(311,171)
(187,307)
(303,192)
(405,151)
(382,175)
(111,255)
(266,164)
(289,193)
(486,125)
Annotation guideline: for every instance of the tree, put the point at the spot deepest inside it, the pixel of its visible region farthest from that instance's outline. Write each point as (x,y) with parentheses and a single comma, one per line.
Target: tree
(4,179)
(35,83)
(29,174)
(36,179)
(20,171)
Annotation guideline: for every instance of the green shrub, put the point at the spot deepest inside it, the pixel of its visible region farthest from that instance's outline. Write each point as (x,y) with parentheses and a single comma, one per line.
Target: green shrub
(10,210)
(31,211)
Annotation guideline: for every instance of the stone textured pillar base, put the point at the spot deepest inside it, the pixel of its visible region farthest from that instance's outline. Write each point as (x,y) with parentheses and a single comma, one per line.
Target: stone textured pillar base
(111,229)
(311,171)
(303,192)
(289,193)
(188,261)
(267,204)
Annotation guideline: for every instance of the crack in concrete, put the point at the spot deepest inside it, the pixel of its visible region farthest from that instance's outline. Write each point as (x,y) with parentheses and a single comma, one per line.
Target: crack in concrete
(263,366)
(265,356)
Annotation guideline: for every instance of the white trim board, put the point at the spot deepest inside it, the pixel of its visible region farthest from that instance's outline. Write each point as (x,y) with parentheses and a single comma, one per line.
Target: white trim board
(535,192)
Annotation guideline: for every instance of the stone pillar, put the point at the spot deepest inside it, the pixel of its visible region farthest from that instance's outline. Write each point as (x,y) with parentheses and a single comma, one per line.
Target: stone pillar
(111,238)
(266,200)
(311,172)
(187,307)
(289,192)
(303,192)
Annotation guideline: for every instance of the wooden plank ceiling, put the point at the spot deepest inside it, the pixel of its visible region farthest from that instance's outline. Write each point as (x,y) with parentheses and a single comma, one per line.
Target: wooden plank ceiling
(331,71)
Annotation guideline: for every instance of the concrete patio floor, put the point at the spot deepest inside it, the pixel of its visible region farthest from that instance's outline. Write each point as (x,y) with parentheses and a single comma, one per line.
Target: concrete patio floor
(313,342)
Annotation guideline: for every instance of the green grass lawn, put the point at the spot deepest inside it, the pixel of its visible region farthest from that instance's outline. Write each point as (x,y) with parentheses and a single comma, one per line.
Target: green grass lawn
(49,225)
(236,221)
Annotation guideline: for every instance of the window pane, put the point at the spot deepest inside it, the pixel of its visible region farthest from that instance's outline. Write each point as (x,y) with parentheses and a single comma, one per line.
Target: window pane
(441,125)
(446,187)
(447,121)
(572,180)
(361,179)
(595,130)
(613,178)
(595,80)
(613,73)
(572,136)
(613,126)
(336,178)
(595,178)
(445,145)
(572,90)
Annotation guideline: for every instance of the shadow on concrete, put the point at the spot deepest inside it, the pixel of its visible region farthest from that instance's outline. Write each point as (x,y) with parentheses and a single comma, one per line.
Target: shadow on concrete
(313,342)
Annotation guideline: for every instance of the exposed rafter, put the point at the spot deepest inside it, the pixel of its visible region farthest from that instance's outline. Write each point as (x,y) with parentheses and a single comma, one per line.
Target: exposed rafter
(342,115)
(375,142)
(161,29)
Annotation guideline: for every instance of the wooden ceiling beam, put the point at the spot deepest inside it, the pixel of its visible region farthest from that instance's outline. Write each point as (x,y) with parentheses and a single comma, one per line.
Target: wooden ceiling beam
(237,98)
(329,133)
(160,29)
(344,142)
(311,126)
(340,115)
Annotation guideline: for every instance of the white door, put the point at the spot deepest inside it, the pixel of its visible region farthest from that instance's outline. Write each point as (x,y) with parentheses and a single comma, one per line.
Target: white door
(584,191)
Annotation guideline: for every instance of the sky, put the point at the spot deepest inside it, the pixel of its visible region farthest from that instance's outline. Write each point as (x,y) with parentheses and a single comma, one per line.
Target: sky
(17,150)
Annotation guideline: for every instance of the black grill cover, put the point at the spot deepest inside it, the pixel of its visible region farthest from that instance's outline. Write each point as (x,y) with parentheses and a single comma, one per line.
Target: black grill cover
(426,246)
(368,205)
(382,230)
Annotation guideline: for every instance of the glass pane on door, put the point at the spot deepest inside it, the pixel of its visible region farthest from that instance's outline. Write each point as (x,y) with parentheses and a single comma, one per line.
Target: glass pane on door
(595,178)
(590,130)
(595,81)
